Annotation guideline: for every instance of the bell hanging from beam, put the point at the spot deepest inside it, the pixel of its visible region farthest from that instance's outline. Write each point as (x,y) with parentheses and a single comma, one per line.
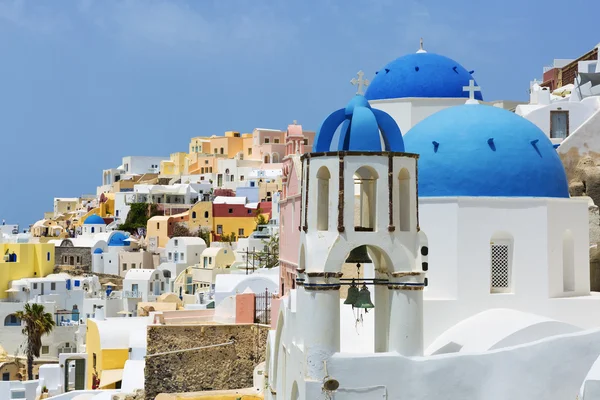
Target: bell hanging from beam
(359,255)
(364,298)
(352,294)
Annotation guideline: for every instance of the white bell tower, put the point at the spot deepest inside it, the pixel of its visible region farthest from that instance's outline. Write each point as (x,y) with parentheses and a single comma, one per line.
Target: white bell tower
(367,171)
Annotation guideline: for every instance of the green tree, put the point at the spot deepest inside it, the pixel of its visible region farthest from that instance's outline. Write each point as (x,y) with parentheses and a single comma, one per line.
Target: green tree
(138,216)
(260,218)
(269,256)
(228,238)
(181,229)
(204,234)
(36,323)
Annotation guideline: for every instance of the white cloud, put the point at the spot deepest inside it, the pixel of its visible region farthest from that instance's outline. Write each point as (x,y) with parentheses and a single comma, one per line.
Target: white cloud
(32,16)
(178,24)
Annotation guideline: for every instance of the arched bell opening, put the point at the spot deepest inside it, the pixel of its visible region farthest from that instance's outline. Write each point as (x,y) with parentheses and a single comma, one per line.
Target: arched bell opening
(365,199)
(365,300)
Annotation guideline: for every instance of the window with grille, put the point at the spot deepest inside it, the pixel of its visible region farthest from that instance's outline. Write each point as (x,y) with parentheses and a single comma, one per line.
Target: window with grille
(500,267)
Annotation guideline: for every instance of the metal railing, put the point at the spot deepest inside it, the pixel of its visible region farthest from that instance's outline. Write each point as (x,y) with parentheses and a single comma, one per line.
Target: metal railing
(131,294)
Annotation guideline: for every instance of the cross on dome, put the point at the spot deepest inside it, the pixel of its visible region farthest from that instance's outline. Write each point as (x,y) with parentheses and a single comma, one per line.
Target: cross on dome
(360,82)
(421,49)
(295,122)
(472,89)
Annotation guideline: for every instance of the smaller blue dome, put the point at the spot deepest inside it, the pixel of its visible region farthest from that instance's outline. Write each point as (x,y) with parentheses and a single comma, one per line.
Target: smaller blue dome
(98,251)
(421,75)
(362,129)
(118,239)
(94,219)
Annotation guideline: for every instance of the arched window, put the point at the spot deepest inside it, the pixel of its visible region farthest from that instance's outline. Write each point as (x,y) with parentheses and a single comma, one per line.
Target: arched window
(267,159)
(404,199)
(275,157)
(501,251)
(93,229)
(193,214)
(568,250)
(12,320)
(365,199)
(205,214)
(323,177)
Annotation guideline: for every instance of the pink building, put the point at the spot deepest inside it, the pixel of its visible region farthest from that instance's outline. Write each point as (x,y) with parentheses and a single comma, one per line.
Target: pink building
(289,233)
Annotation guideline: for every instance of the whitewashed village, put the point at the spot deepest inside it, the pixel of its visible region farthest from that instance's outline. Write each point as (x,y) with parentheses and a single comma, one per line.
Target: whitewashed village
(423,242)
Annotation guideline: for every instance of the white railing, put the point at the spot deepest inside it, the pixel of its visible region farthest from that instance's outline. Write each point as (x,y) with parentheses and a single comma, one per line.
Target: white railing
(132,294)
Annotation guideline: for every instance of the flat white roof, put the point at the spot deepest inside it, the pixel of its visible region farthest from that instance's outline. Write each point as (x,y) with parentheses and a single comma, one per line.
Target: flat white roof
(229,200)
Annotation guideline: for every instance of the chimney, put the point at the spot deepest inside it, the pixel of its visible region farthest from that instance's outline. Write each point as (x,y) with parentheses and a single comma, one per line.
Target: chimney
(99,314)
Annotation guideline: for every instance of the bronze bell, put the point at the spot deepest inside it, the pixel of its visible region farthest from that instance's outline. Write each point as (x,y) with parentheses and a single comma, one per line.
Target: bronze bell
(364,299)
(352,294)
(359,255)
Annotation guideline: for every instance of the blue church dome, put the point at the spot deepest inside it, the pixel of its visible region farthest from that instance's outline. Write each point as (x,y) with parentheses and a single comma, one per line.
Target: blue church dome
(421,75)
(478,150)
(98,251)
(118,239)
(94,219)
(361,128)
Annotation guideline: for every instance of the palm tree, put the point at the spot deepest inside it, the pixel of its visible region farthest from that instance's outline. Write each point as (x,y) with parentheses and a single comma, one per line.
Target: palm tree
(37,323)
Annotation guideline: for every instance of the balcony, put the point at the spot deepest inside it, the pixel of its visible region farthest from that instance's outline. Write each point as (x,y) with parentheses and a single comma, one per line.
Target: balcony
(132,294)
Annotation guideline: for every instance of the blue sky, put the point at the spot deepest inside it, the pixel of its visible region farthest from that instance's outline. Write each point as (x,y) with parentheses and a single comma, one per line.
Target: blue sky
(84,82)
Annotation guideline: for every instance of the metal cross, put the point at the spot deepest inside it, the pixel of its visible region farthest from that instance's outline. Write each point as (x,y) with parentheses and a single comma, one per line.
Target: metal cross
(471,89)
(421,45)
(360,82)
(295,122)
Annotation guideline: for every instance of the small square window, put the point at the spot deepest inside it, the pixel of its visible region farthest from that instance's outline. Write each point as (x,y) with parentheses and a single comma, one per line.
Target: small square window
(241,177)
(231,211)
(306,142)
(35,285)
(132,265)
(176,241)
(276,141)
(124,266)
(45,349)
(249,151)
(52,285)
(219,229)
(267,140)
(241,232)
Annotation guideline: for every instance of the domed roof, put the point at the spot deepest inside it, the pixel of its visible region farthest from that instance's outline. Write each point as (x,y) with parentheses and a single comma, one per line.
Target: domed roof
(478,150)
(118,239)
(94,219)
(98,251)
(421,75)
(362,129)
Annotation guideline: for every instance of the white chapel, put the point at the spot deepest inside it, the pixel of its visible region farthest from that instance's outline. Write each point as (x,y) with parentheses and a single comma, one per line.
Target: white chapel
(474,258)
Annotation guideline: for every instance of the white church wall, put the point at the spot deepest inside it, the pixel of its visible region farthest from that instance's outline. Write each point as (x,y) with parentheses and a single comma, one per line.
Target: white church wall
(590,390)
(442,273)
(531,264)
(578,114)
(496,329)
(560,362)
(408,112)
(569,269)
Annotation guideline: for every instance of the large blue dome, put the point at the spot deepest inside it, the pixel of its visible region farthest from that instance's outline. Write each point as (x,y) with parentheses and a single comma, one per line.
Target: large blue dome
(94,219)
(421,75)
(478,150)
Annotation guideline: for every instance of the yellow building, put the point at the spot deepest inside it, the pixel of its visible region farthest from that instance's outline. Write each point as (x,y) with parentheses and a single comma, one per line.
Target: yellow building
(200,145)
(200,215)
(65,205)
(24,260)
(158,231)
(177,165)
(107,347)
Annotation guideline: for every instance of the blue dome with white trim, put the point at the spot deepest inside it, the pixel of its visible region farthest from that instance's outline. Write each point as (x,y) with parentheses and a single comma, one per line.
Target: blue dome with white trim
(118,239)
(421,75)
(361,128)
(94,219)
(479,150)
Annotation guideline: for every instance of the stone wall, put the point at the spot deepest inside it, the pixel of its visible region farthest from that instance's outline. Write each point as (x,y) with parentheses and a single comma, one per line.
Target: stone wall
(215,368)
(63,256)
